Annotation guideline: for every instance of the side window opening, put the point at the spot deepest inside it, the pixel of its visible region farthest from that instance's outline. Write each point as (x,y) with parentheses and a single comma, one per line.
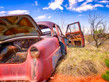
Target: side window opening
(74,35)
(45,30)
(73,28)
(54,30)
(59,30)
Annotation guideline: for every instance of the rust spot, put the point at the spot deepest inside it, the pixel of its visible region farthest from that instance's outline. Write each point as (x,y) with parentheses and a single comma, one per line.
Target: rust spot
(25,22)
(1,29)
(9,50)
(15,31)
(12,19)
(1,22)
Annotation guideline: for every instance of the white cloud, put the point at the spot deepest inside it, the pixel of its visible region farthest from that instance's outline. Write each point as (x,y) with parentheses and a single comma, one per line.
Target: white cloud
(107,6)
(80,0)
(87,7)
(55,5)
(83,7)
(36,3)
(1,7)
(45,8)
(2,13)
(41,17)
(72,3)
(18,12)
(104,1)
(98,5)
(49,17)
(89,0)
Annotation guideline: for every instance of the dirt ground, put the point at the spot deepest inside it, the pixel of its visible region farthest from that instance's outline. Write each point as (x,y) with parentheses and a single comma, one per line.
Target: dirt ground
(63,78)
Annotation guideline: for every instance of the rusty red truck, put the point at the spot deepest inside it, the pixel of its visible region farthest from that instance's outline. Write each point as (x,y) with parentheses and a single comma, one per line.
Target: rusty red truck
(29,50)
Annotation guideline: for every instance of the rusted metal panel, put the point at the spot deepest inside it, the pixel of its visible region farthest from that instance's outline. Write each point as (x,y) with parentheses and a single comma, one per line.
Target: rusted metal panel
(75,38)
(56,56)
(18,25)
(57,30)
(33,68)
(45,60)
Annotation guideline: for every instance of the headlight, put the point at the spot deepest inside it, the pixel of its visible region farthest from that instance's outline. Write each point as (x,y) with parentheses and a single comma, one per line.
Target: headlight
(34,52)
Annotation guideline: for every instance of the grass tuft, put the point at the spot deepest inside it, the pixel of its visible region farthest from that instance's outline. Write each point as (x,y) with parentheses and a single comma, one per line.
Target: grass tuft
(83,61)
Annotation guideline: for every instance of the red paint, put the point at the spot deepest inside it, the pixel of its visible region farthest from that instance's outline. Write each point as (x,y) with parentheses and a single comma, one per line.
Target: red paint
(44,67)
(52,25)
(44,61)
(33,69)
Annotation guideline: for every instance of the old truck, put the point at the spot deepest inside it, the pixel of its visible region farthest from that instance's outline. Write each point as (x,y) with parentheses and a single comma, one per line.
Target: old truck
(29,51)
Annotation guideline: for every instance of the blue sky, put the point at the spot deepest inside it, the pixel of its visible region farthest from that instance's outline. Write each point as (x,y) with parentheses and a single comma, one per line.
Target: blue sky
(58,11)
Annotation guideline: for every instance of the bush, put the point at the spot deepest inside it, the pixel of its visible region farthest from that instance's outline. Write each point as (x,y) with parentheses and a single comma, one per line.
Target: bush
(107,62)
(107,72)
(106,75)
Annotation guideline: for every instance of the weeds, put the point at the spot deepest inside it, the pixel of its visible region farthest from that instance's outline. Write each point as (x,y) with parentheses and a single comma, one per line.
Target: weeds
(106,75)
(83,61)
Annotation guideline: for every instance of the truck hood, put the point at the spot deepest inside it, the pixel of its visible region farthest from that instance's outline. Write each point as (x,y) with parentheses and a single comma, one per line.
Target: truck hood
(17,25)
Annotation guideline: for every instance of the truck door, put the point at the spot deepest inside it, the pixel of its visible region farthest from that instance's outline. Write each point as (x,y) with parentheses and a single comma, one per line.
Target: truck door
(74,35)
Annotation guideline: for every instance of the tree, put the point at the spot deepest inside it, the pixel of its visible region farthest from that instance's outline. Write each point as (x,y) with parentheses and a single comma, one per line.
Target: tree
(98,28)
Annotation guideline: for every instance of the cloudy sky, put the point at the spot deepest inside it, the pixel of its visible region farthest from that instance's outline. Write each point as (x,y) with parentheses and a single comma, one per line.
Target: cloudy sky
(58,11)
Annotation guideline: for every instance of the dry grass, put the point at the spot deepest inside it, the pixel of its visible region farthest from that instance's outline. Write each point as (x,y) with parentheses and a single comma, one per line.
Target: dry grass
(83,61)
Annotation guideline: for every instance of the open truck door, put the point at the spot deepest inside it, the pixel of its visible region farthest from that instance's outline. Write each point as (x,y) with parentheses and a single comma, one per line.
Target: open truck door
(74,35)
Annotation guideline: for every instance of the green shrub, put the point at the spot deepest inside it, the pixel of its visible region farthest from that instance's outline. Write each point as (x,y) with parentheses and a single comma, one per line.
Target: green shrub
(107,72)
(105,77)
(107,62)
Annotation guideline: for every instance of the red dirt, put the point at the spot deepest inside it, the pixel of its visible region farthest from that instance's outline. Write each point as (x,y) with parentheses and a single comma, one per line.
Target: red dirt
(64,78)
